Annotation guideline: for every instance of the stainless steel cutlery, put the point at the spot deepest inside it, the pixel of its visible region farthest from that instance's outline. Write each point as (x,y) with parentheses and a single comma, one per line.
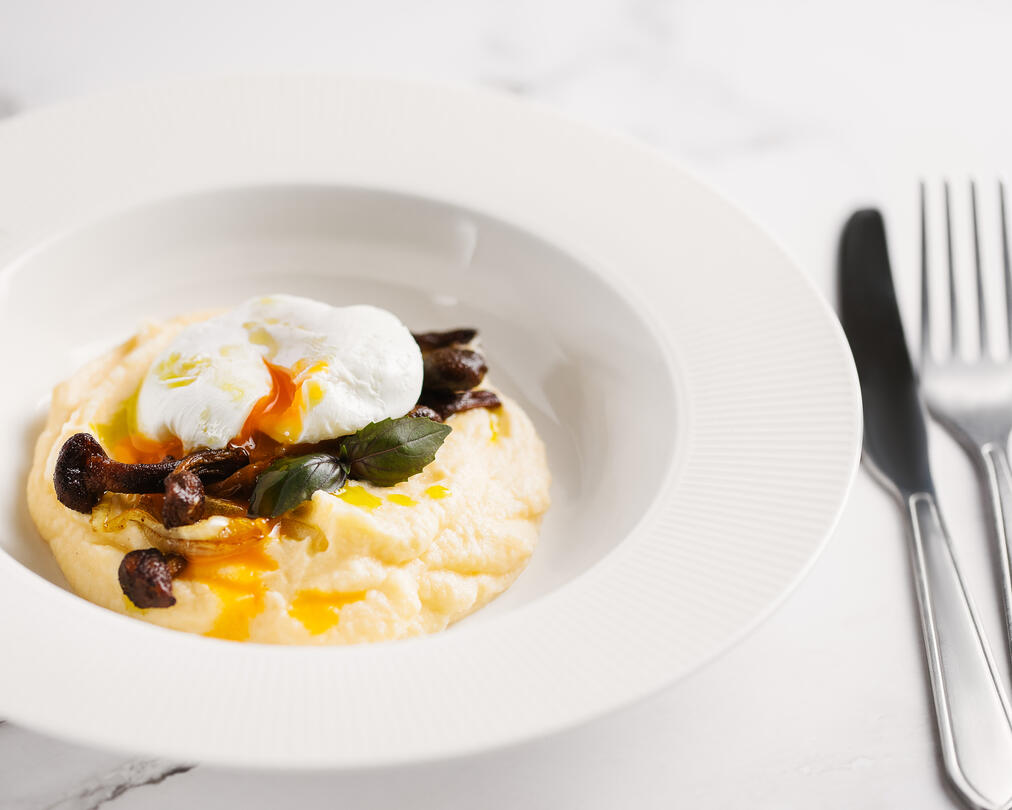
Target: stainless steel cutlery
(974,721)
(969,389)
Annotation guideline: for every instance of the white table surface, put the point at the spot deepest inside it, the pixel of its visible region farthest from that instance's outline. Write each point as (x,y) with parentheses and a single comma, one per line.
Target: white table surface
(799,111)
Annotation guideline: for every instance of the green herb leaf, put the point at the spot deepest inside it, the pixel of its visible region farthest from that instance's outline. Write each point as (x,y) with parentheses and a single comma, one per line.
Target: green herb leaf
(292,480)
(388,452)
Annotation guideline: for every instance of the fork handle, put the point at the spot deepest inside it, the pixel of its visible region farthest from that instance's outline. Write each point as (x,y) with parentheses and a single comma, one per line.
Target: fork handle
(974,722)
(999,486)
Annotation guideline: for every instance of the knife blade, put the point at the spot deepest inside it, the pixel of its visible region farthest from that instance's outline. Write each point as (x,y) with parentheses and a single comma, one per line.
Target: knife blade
(895,439)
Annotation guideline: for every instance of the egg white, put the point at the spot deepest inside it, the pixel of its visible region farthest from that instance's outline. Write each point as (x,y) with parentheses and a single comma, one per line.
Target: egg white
(354,365)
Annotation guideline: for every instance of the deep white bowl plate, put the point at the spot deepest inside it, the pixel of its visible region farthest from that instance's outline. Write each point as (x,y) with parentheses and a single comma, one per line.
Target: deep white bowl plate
(696,396)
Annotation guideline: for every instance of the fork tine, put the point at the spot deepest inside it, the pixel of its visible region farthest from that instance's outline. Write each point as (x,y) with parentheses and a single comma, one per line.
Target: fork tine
(925,292)
(953,314)
(1005,262)
(981,306)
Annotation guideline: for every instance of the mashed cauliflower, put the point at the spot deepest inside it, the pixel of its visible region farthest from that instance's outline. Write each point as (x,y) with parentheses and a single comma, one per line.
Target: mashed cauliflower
(364,564)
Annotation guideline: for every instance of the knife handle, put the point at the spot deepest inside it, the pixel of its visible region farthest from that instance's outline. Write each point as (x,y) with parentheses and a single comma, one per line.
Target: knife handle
(973,715)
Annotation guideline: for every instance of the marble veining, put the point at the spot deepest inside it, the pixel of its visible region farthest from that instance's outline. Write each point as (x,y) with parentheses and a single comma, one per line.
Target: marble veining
(111,784)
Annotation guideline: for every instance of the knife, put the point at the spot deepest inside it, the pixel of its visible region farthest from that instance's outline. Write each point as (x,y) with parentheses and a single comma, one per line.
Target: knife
(974,720)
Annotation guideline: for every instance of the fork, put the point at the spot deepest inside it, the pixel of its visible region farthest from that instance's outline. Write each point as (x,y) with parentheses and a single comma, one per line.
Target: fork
(971,395)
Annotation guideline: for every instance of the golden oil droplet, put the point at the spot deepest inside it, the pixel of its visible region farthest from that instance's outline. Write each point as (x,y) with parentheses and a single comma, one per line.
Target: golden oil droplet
(357,496)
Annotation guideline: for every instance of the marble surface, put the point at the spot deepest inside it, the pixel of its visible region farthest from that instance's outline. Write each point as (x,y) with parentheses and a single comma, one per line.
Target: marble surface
(799,111)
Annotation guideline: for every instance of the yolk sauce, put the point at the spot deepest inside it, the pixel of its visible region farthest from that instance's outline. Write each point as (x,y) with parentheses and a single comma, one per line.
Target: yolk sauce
(318,611)
(122,442)
(280,413)
(237,580)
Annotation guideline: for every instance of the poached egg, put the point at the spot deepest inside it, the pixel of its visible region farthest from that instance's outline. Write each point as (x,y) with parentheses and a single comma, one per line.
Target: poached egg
(296,369)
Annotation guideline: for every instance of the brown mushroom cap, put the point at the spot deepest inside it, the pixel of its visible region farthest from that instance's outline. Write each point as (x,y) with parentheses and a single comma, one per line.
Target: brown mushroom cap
(452,369)
(146,578)
(427,341)
(71,476)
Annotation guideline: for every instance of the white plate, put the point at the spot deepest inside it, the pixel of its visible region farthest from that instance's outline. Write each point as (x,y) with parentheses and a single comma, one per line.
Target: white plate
(696,395)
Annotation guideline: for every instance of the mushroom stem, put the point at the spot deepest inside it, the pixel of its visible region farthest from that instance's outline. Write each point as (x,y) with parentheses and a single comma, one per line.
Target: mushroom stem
(425,411)
(446,404)
(184,487)
(84,472)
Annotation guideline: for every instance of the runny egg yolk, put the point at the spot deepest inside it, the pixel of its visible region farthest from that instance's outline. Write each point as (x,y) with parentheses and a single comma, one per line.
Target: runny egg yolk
(318,611)
(237,581)
(123,443)
(278,413)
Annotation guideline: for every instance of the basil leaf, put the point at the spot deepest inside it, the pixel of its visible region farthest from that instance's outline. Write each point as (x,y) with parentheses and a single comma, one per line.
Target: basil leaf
(388,452)
(292,480)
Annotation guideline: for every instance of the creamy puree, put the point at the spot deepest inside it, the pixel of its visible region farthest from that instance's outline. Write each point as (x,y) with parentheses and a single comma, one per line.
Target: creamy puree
(364,564)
